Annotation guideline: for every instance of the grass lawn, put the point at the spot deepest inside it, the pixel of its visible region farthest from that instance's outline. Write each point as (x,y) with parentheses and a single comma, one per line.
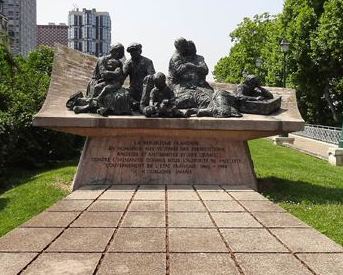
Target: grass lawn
(25,193)
(308,188)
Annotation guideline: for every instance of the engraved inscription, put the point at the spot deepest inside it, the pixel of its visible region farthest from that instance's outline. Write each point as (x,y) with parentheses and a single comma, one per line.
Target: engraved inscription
(166,157)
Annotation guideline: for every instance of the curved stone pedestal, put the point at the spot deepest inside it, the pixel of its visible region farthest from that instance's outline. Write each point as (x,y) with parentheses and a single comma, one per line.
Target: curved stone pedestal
(139,150)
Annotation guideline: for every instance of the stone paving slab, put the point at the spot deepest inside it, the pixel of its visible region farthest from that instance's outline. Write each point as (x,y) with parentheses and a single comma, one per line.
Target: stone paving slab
(84,195)
(98,219)
(180,188)
(52,219)
(247,196)
(186,206)
(144,219)
(13,263)
(150,196)
(208,188)
(82,240)
(100,187)
(70,205)
(278,220)
(161,229)
(190,219)
(261,206)
(195,240)
(116,195)
(108,206)
(214,196)
(252,240)
(152,188)
(64,263)
(132,264)
(235,220)
(122,188)
(236,188)
(28,239)
(202,263)
(139,240)
(320,263)
(147,206)
(182,196)
(224,206)
(306,240)
(271,264)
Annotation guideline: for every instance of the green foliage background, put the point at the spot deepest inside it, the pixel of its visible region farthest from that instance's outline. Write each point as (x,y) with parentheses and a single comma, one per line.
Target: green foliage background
(24,83)
(314,63)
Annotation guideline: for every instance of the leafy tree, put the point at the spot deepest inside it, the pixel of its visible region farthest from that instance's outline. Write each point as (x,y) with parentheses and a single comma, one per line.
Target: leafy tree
(24,83)
(299,23)
(314,29)
(249,38)
(327,54)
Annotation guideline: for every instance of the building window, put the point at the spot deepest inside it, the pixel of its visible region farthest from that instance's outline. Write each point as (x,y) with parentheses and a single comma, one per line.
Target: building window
(101,48)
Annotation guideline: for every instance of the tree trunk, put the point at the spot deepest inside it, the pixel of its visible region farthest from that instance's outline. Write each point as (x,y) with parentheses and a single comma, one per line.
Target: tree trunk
(330,103)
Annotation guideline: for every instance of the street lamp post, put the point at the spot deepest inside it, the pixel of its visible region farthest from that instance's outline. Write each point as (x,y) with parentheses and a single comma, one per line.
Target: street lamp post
(259,62)
(340,145)
(285,48)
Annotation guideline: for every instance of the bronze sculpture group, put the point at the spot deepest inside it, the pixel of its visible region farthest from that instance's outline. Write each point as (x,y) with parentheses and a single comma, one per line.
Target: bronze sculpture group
(184,93)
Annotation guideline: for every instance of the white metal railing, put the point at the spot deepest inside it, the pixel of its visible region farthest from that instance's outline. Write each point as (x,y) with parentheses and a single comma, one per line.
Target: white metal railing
(323,133)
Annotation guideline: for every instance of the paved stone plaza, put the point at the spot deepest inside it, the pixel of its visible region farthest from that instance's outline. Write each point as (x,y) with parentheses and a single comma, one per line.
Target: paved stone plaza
(167,230)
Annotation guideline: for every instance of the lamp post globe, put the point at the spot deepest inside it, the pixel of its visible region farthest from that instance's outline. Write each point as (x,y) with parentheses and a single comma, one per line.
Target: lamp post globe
(284,44)
(259,62)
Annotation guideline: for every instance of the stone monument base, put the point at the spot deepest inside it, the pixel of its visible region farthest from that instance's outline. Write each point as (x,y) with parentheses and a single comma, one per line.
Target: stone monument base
(336,156)
(170,158)
(283,140)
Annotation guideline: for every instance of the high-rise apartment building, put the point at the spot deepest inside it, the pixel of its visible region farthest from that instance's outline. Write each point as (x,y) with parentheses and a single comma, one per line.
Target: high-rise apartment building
(3,26)
(89,31)
(22,29)
(49,35)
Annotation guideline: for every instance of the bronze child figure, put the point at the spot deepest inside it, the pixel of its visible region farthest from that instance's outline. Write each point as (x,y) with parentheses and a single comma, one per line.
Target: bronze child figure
(161,103)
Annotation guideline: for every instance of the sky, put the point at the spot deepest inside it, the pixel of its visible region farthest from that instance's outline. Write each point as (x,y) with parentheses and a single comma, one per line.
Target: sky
(157,23)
